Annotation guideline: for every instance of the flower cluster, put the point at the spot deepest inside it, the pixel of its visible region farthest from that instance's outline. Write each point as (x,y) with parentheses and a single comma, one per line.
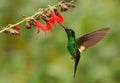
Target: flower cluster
(50,16)
(53,19)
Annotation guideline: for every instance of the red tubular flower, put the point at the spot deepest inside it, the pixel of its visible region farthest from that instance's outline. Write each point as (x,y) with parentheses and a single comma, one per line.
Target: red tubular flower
(56,18)
(53,18)
(39,26)
(17,28)
(48,26)
(61,19)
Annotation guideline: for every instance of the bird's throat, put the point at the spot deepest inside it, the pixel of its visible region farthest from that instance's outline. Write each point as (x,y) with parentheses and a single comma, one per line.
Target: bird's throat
(71,39)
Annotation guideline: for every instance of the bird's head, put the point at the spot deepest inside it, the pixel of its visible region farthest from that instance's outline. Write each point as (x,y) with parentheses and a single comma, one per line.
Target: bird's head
(70,32)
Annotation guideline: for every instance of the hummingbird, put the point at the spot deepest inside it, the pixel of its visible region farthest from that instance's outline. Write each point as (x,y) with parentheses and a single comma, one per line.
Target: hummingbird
(79,45)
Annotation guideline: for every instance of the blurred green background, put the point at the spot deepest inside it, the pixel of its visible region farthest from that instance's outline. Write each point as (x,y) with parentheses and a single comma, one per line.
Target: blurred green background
(34,58)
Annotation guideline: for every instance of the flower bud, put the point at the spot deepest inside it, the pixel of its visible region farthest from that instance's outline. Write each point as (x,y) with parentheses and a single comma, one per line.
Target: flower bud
(64,8)
(70,5)
(28,25)
(37,17)
(44,17)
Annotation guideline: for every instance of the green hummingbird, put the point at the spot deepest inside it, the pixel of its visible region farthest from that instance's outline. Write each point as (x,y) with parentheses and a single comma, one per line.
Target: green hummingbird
(77,46)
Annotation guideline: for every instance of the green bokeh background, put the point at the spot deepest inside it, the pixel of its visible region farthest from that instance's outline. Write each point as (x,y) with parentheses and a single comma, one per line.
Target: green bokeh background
(39,58)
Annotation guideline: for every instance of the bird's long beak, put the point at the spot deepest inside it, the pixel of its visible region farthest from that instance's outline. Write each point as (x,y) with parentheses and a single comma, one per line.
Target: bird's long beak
(62,26)
(65,28)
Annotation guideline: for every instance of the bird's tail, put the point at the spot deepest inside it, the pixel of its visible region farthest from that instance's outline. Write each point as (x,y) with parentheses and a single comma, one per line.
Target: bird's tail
(76,59)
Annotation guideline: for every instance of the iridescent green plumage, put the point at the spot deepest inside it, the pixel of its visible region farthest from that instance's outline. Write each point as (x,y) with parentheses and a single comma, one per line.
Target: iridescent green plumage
(72,47)
(71,42)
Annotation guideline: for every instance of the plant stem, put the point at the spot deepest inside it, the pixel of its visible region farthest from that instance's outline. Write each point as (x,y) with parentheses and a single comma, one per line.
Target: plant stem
(9,26)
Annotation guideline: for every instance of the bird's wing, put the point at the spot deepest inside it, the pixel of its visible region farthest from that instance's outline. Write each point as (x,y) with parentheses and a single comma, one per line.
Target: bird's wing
(91,38)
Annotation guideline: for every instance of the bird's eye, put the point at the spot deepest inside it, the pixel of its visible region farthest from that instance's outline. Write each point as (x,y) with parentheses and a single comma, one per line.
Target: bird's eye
(70,31)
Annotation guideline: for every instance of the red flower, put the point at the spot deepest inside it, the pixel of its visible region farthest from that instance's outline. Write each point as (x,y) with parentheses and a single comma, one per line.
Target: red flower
(53,18)
(48,26)
(42,27)
(18,34)
(39,26)
(61,18)
(56,18)
(17,28)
